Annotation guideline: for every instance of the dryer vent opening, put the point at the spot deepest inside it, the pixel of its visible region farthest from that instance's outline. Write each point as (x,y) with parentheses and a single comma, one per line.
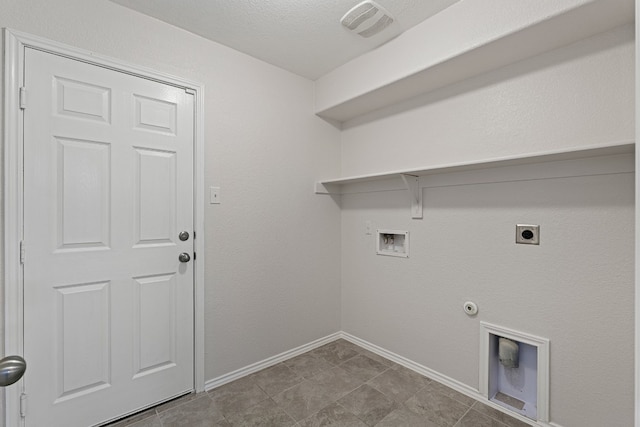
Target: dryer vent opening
(514,371)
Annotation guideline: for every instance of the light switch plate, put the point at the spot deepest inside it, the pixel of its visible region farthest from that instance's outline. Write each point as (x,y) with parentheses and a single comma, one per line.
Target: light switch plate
(214,195)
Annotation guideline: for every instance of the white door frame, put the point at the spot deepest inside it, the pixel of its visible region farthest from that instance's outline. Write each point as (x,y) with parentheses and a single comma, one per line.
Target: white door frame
(15,43)
(637,224)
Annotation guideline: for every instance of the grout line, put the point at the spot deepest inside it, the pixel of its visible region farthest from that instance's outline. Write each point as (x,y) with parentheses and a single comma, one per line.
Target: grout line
(331,366)
(463,415)
(288,414)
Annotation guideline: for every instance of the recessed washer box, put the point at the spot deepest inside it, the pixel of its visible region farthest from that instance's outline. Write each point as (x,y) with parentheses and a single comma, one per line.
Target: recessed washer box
(392,243)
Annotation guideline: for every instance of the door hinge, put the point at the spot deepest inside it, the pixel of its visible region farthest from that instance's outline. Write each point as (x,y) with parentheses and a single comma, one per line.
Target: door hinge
(23,405)
(22,251)
(23,98)
(194,256)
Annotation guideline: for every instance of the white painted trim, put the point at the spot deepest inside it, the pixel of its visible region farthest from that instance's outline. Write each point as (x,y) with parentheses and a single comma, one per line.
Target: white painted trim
(320,188)
(612,164)
(542,344)
(608,148)
(410,364)
(199,189)
(15,43)
(12,208)
(637,222)
(270,361)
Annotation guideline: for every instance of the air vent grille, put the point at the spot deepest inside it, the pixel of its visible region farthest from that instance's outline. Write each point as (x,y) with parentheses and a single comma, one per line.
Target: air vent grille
(367,19)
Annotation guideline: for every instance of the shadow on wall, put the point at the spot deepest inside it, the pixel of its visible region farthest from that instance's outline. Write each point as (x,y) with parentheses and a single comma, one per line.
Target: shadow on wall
(583,48)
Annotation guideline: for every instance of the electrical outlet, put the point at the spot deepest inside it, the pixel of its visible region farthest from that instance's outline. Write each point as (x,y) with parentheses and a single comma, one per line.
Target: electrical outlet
(527,234)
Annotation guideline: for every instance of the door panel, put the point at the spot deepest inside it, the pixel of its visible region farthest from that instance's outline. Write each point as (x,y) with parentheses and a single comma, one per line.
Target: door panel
(83,170)
(82,100)
(155,197)
(108,185)
(155,328)
(155,115)
(83,319)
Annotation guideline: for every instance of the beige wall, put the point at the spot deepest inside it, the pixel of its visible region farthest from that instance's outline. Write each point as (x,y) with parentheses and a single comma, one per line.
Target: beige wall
(576,288)
(574,96)
(272,256)
(273,248)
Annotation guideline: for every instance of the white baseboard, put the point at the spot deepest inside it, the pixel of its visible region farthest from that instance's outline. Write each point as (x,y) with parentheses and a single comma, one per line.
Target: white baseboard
(407,363)
(270,361)
(410,364)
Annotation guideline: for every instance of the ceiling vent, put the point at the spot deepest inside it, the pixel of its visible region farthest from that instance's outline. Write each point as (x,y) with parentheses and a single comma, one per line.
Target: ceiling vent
(367,19)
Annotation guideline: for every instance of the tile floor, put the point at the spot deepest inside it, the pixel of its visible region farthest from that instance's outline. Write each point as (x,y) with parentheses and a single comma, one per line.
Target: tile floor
(338,384)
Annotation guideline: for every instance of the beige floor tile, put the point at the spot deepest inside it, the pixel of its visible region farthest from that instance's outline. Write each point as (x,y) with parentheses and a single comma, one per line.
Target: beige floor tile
(399,385)
(134,418)
(306,365)
(265,413)
(436,407)
(348,344)
(153,421)
(476,419)
(377,358)
(498,415)
(368,404)
(336,352)
(403,417)
(336,385)
(304,399)
(198,412)
(276,379)
(179,401)
(440,388)
(337,381)
(333,415)
(237,396)
(363,368)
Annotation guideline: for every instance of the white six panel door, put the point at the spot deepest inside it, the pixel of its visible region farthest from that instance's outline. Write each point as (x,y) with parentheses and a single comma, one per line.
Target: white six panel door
(108,186)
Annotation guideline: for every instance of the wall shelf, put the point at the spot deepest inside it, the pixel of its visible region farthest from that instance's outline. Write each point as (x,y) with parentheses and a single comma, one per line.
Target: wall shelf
(549,33)
(410,177)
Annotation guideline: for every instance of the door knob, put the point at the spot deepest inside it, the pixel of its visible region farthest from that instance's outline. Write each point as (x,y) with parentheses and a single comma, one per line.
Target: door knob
(184,257)
(184,235)
(11,370)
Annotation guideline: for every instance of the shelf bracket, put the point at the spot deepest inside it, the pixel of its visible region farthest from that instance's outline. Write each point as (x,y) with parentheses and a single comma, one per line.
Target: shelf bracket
(322,188)
(415,191)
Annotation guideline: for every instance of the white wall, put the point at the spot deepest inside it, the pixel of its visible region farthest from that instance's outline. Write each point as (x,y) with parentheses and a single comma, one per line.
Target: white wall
(272,253)
(273,248)
(576,288)
(464,40)
(570,97)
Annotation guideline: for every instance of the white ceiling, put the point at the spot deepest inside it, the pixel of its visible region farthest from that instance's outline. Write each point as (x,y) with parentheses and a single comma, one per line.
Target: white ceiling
(302,36)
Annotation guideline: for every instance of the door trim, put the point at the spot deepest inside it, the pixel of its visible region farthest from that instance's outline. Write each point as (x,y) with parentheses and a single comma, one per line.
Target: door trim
(15,43)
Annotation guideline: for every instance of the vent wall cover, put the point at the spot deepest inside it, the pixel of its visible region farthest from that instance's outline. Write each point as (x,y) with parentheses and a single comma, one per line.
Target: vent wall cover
(367,19)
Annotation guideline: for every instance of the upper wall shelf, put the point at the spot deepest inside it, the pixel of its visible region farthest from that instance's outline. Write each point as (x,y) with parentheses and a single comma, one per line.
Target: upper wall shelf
(334,186)
(368,83)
